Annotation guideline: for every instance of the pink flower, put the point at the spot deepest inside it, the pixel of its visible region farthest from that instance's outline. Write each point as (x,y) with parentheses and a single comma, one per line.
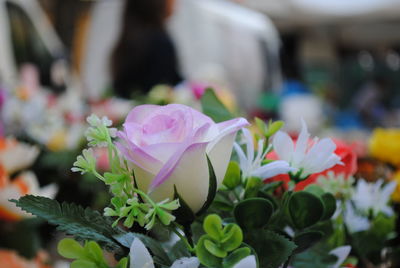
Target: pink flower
(167,147)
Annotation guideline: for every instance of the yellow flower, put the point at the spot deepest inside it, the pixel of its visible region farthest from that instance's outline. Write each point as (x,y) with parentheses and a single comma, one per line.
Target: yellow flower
(384,145)
(396,193)
(58,141)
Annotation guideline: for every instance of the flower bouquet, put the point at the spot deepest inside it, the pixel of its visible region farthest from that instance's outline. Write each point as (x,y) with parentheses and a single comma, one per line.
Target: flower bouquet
(180,200)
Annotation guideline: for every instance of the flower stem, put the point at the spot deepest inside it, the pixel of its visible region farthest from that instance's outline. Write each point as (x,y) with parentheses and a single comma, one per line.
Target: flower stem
(184,239)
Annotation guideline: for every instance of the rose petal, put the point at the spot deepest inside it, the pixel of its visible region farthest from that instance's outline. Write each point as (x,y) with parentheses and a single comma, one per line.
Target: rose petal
(190,176)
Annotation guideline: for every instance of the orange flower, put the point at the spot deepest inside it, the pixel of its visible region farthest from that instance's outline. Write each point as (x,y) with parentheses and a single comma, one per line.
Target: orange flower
(10,259)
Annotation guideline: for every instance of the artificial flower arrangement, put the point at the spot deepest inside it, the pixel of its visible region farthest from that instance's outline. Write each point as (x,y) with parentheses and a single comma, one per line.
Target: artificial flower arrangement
(179,201)
(15,226)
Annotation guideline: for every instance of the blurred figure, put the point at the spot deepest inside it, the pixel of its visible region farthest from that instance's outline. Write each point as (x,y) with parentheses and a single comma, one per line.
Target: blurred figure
(144,55)
(371,101)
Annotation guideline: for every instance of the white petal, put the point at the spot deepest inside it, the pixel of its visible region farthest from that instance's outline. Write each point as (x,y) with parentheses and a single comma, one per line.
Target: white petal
(248,262)
(341,253)
(220,155)
(283,146)
(140,256)
(249,145)
(301,145)
(272,169)
(319,158)
(354,222)
(189,175)
(242,159)
(192,262)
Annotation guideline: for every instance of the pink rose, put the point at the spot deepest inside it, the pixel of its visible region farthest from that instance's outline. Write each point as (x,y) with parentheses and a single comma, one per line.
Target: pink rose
(167,146)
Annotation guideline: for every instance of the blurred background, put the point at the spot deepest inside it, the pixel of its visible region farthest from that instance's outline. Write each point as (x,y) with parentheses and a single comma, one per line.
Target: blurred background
(334,63)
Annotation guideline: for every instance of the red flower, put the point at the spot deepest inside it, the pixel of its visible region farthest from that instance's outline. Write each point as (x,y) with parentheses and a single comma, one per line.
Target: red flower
(347,155)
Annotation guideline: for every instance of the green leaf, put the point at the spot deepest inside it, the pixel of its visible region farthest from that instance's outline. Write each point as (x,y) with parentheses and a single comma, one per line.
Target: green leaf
(83,224)
(317,257)
(71,249)
(232,237)
(212,188)
(329,202)
(179,250)
(253,213)
(83,264)
(314,189)
(214,108)
(261,125)
(271,186)
(305,209)
(213,226)
(235,257)
(253,185)
(123,263)
(204,256)
(95,251)
(232,175)
(214,249)
(272,249)
(274,127)
(159,255)
(306,240)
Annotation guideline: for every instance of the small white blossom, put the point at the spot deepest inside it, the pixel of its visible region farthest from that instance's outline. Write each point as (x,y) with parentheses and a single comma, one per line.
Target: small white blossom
(355,222)
(373,197)
(251,164)
(309,157)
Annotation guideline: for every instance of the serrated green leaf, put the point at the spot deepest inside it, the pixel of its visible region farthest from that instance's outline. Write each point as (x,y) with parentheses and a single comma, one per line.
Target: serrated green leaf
(272,249)
(213,107)
(83,224)
(317,257)
(212,188)
(306,240)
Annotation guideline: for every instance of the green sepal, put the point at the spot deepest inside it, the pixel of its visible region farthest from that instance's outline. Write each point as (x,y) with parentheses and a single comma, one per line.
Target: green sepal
(212,188)
(184,214)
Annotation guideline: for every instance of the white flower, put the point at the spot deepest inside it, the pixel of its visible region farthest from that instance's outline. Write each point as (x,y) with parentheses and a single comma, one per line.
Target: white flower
(251,164)
(354,222)
(139,255)
(17,155)
(192,262)
(371,196)
(309,157)
(248,262)
(25,183)
(341,253)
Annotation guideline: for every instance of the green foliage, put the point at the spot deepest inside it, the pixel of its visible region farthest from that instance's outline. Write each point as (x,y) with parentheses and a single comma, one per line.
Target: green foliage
(270,129)
(90,255)
(214,108)
(272,249)
(84,224)
(212,188)
(232,176)
(160,256)
(306,240)
(253,213)
(305,209)
(253,185)
(213,248)
(317,257)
